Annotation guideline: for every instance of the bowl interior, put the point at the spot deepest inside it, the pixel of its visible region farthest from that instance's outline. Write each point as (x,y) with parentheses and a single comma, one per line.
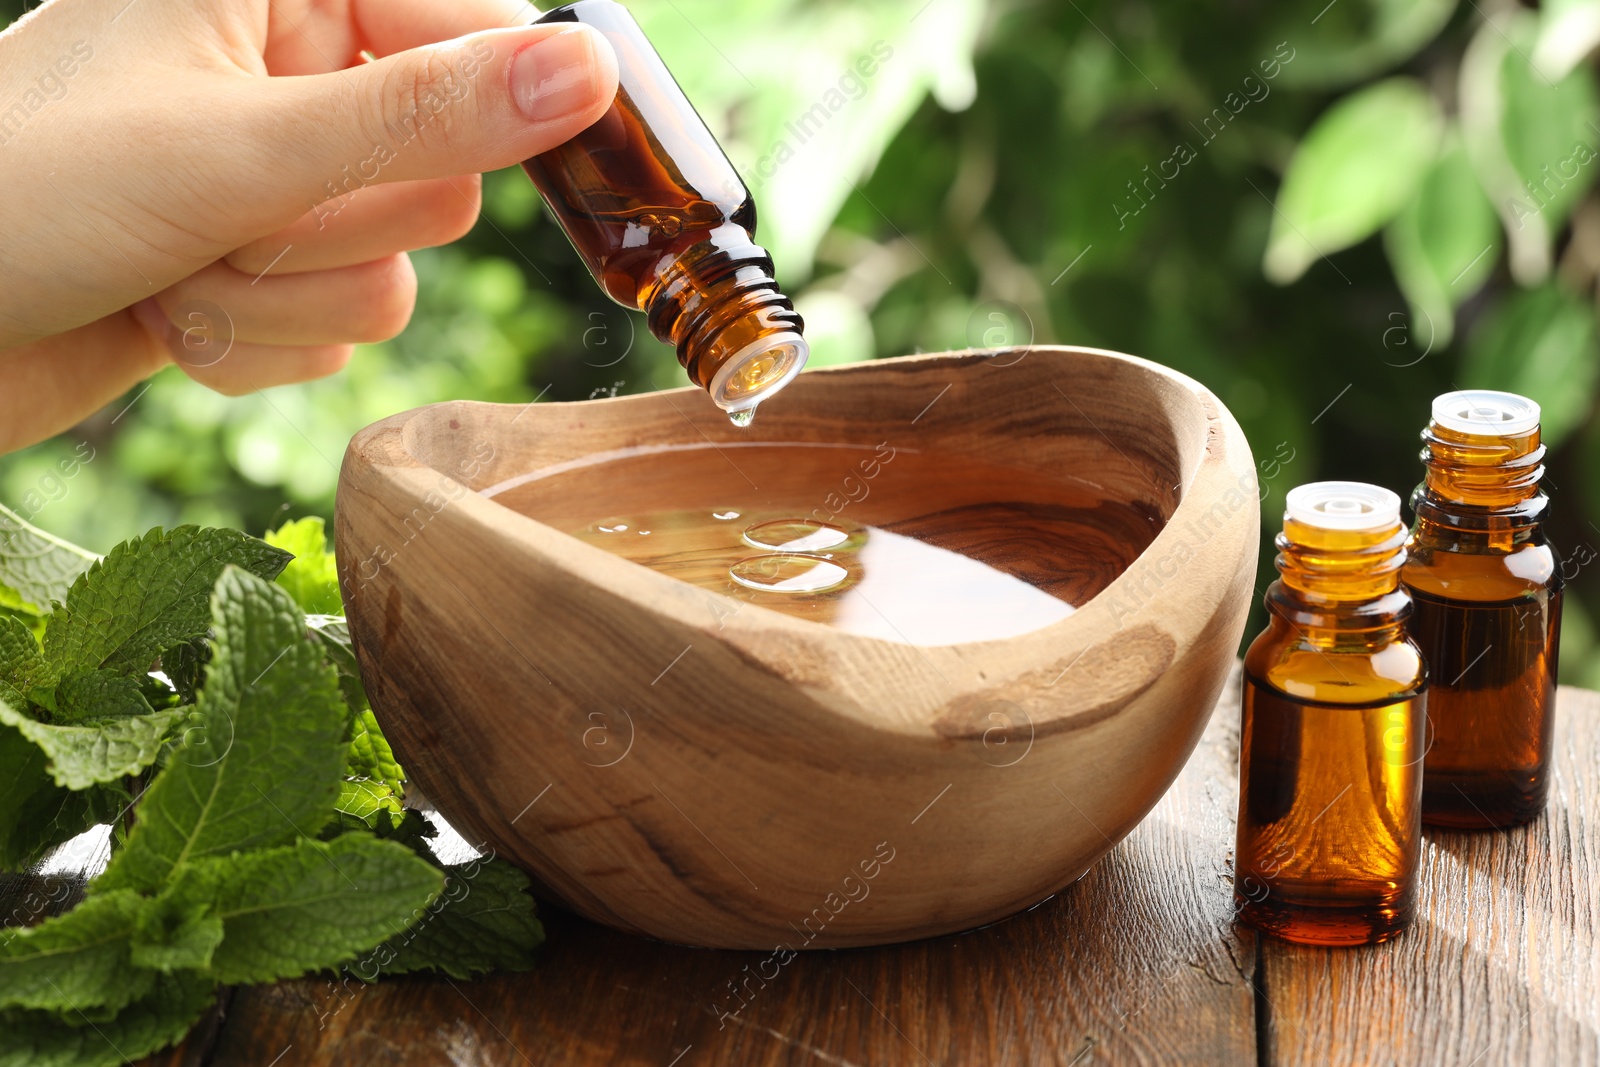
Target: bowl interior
(1057,467)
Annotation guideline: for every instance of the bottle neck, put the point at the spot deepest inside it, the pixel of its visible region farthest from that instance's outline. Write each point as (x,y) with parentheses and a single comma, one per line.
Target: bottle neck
(718,304)
(1479,489)
(1338,586)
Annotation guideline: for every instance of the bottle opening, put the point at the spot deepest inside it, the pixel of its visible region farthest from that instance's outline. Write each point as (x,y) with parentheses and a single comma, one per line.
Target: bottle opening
(1343,506)
(758,370)
(1485,412)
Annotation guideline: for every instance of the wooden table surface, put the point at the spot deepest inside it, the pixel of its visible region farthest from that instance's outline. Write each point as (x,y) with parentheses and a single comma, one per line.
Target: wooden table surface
(1139,962)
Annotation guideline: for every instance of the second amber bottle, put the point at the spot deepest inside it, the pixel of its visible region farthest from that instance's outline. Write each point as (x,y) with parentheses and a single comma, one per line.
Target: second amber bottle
(1488,586)
(1330,760)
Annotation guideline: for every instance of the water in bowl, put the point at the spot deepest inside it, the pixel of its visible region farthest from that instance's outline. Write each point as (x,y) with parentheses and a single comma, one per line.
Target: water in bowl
(919,547)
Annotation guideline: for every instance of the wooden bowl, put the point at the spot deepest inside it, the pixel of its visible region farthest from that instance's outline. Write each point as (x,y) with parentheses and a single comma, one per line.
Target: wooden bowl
(751,780)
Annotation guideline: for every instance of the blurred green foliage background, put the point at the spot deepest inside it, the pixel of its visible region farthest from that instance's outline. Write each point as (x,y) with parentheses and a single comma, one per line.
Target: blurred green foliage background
(1327,212)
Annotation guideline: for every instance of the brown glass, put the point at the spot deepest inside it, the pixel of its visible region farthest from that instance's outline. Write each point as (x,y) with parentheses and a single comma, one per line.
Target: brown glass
(1487,587)
(1330,759)
(658,213)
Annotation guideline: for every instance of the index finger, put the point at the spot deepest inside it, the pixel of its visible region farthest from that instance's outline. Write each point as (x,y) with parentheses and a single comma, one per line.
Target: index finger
(385,27)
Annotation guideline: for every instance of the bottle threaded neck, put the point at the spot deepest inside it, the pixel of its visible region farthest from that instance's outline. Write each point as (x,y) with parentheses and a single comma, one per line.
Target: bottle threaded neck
(736,334)
(1342,543)
(1478,470)
(1344,566)
(1484,460)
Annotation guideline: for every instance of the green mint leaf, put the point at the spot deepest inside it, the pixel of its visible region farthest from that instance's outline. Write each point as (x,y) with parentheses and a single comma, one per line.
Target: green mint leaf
(35,813)
(161,1018)
(98,751)
(146,596)
(99,695)
(188,946)
(176,932)
(77,960)
(38,568)
(20,661)
(342,824)
(373,803)
(311,577)
(262,753)
(314,904)
(370,755)
(483,921)
(334,633)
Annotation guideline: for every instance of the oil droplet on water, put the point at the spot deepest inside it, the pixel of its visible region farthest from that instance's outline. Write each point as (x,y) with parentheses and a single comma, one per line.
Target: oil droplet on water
(619,526)
(788,572)
(796,535)
(743,417)
(725,516)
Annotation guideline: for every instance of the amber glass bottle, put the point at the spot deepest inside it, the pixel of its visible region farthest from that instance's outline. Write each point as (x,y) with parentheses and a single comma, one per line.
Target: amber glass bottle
(666,225)
(1487,587)
(1330,757)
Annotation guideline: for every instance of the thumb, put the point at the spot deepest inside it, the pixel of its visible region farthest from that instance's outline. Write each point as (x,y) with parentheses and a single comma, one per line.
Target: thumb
(477,103)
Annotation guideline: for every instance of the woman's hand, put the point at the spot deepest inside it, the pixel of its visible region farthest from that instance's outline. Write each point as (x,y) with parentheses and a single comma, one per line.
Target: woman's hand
(232,185)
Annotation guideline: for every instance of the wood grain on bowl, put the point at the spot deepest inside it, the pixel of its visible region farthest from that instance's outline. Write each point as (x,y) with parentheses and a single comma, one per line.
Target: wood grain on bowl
(669,762)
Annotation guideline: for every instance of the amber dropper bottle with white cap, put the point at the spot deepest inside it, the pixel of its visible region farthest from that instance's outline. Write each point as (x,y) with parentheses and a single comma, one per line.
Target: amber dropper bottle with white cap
(1487,587)
(1330,756)
(666,225)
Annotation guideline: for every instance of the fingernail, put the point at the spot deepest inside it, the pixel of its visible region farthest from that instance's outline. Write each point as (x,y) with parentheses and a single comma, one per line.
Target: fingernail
(555,77)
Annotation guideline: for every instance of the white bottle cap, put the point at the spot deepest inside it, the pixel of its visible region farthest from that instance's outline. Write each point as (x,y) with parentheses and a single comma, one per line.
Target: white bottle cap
(786,352)
(1485,412)
(1343,506)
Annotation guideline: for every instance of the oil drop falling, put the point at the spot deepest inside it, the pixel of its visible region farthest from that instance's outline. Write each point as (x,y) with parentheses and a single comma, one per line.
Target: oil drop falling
(743,417)
(788,572)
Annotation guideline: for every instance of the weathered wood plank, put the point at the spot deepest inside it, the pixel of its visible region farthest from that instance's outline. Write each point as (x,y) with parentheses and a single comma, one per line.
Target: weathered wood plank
(1503,964)
(1136,963)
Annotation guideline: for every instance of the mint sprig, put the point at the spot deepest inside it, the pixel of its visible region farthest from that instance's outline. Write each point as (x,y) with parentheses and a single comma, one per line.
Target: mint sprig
(106,632)
(260,762)
(270,837)
(146,596)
